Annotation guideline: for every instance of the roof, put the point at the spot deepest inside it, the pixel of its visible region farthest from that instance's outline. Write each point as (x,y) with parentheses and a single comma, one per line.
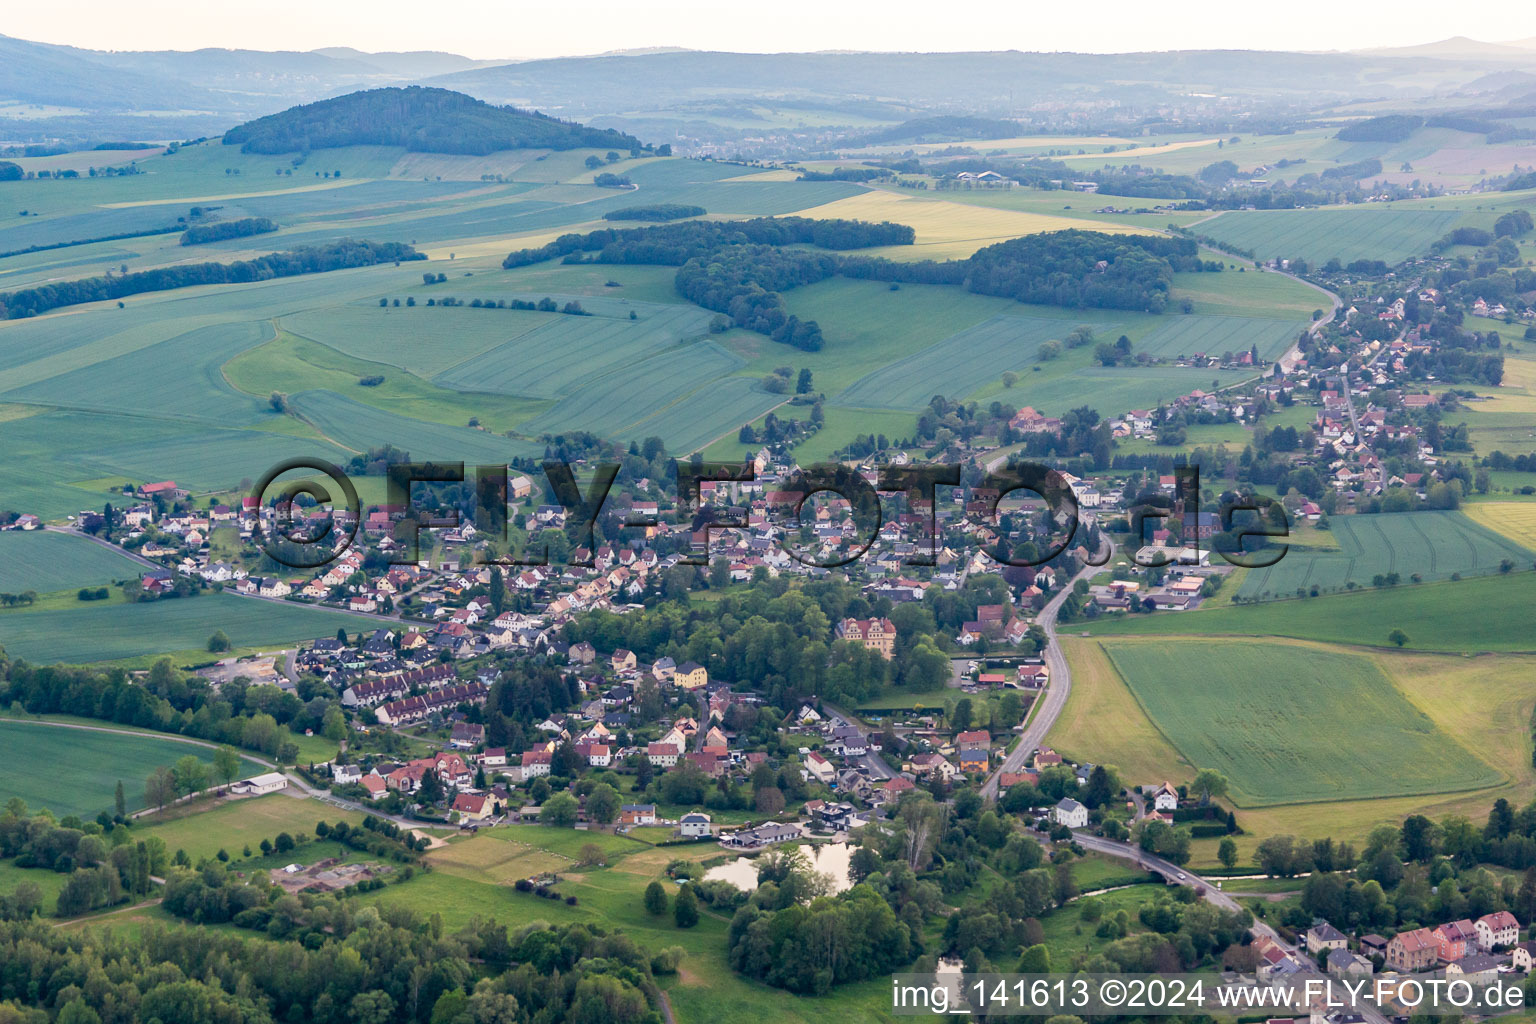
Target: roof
(1499,920)
(1326,932)
(1477,963)
(1069,805)
(1416,940)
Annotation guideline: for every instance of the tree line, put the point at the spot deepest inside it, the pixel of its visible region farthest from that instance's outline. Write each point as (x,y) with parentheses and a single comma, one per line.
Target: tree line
(219,231)
(346,965)
(306,260)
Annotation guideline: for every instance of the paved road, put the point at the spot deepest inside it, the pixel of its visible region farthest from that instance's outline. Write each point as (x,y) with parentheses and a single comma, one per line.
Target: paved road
(1212,895)
(873,762)
(1057,689)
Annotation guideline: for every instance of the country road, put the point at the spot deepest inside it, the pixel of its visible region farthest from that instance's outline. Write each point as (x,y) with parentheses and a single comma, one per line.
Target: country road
(1059,685)
(1207,890)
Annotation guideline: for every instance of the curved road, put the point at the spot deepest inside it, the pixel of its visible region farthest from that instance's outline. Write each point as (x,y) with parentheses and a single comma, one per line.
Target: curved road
(1058,687)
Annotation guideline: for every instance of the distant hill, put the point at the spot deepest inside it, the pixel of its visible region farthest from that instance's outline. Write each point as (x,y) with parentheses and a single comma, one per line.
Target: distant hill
(421,119)
(408,64)
(944,128)
(1458,48)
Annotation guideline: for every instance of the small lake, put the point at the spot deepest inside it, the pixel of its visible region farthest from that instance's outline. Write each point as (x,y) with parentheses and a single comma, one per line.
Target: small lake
(830,859)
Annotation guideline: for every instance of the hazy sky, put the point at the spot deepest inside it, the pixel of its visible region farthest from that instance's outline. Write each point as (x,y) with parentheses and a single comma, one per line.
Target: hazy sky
(489,29)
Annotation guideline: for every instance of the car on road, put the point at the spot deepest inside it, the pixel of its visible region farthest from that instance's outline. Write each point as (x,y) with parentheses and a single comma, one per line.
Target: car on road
(1181,876)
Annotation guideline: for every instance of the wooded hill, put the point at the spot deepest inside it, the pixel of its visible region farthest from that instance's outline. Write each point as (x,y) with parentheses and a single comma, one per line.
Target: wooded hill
(420,119)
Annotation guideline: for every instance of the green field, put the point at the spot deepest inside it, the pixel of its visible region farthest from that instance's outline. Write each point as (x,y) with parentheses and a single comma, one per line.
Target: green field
(960,364)
(234,824)
(1216,335)
(361,427)
(559,357)
(122,631)
(1293,724)
(1486,614)
(55,561)
(1433,545)
(1392,235)
(75,771)
(424,341)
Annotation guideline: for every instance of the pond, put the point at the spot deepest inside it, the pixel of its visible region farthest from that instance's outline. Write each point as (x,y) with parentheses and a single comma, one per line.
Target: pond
(830,859)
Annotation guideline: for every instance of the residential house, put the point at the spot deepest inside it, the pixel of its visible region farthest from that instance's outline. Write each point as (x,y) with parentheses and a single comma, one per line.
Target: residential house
(1495,931)
(663,755)
(622,660)
(535,763)
(1477,969)
(695,825)
(1343,964)
(473,806)
(1070,813)
(820,768)
(1415,950)
(637,814)
(466,736)
(1323,935)
(1457,939)
(1166,798)
(690,675)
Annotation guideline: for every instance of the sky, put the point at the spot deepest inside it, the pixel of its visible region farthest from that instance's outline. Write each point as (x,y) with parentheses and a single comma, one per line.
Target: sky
(489,29)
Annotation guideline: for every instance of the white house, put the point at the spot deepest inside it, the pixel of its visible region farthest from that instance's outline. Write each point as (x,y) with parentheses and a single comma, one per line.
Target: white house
(1165,798)
(1070,813)
(343,774)
(1495,930)
(695,825)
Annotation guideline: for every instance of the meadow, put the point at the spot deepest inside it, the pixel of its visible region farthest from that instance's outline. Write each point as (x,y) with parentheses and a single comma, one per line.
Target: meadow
(1216,335)
(1467,616)
(181,626)
(231,825)
(612,405)
(561,356)
(1293,724)
(360,428)
(76,771)
(958,365)
(1392,235)
(55,561)
(417,339)
(1431,545)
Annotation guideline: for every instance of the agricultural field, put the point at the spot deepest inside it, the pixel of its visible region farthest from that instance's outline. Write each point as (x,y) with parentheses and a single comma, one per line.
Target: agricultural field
(122,631)
(1294,724)
(76,771)
(360,427)
(1469,616)
(1515,520)
(561,356)
(54,561)
(1216,335)
(1431,545)
(417,339)
(950,230)
(613,405)
(958,365)
(1317,236)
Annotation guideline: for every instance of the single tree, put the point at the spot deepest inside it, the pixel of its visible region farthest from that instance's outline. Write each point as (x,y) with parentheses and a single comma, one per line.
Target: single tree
(119,800)
(1227,853)
(685,911)
(1398,638)
(655,899)
(226,763)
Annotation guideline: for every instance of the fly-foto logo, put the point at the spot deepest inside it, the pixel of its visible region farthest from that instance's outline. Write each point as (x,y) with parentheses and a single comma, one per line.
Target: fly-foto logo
(309,541)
